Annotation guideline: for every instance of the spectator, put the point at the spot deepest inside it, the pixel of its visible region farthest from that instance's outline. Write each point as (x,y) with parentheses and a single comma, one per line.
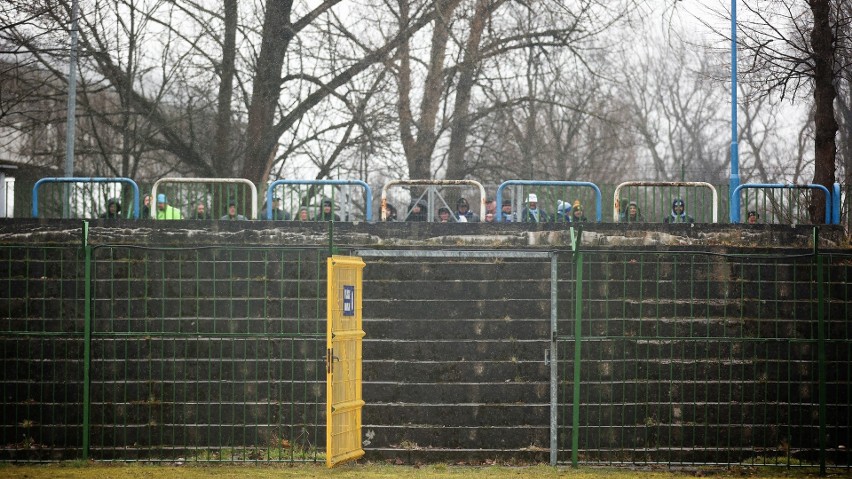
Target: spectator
(489,217)
(753,216)
(632,214)
(390,212)
(232,213)
(416,211)
(678,214)
(506,211)
(166,212)
(327,212)
(113,211)
(577,215)
(491,206)
(563,211)
(200,212)
(146,207)
(532,213)
(463,213)
(443,215)
(277,213)
(303,214)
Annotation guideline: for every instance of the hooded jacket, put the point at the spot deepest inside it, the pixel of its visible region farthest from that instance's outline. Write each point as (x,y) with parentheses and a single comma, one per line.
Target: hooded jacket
(673,217)
(625,217)
(421,216)
(323,216)
(112,216)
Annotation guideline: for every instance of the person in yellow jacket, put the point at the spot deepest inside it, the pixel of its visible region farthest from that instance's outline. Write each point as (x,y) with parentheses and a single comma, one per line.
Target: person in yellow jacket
(166,212)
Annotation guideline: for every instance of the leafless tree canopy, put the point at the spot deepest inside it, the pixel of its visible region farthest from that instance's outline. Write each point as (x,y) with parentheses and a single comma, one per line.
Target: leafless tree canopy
(593,90)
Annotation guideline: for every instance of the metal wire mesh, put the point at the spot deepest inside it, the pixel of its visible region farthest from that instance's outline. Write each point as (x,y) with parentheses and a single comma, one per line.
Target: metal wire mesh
(41,338)
(208,354)
(700,358)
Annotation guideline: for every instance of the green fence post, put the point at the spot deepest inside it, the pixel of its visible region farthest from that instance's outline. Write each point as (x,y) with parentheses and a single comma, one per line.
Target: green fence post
(578,337)
(820,349)
(87,335)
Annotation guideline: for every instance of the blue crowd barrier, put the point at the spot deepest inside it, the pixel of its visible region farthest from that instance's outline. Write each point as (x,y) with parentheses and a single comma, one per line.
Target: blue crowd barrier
(72,179)
(830,215)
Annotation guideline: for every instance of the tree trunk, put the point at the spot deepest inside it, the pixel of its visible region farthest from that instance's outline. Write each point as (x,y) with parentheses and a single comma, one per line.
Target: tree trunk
(419,156)
(277,33)
(825,124)
(222,160)
(461,110)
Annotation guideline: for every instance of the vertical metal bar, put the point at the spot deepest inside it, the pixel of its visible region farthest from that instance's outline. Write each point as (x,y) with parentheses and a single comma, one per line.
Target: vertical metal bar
(87,335)
(821,350)
(554,370)
(578,337)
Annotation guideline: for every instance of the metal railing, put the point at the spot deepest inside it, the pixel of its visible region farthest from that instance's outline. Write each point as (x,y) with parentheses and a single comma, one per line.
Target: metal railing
(222,197)
(540,184)
(431,192)
(368,196)
(714,203)
(832,207)
(69,200)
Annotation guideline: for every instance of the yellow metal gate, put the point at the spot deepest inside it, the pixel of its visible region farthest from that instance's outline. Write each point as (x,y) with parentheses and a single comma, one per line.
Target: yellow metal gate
(343,360)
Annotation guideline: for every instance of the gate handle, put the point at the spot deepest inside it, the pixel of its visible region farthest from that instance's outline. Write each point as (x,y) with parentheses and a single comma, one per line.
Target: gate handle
(329,358)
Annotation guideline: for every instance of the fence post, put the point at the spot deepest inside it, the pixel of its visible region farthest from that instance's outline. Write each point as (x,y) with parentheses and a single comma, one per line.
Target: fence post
(578,337)
(820,284)
(87,335)
(554,360)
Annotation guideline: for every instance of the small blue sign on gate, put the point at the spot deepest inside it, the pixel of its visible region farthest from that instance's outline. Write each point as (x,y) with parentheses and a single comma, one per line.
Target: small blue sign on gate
(348,300)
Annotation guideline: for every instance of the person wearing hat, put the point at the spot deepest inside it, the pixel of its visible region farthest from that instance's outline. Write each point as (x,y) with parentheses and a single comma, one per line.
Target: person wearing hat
(563,211)
(678,214)
(463,213)
(506,211)
(165,211)
(113,210)
(532,213)
(753,216)
(577,215)
(232,212)
(277,213)
(327,212)
(490,210)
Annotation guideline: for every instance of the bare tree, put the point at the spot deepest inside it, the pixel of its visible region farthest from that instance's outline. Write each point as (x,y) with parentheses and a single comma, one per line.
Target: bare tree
(799,50)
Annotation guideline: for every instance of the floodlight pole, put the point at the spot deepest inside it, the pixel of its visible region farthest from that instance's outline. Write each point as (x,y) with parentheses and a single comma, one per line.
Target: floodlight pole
(72,106)
(735,155)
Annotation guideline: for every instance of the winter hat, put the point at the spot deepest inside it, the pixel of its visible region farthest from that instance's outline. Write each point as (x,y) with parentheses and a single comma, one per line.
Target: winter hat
(161,198)
(532,198)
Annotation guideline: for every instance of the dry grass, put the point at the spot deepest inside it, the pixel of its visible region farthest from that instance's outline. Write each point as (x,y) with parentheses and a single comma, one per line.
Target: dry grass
(374,471)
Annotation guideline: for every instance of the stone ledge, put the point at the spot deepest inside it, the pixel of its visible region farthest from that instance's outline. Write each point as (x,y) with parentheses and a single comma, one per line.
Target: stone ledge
(414,235)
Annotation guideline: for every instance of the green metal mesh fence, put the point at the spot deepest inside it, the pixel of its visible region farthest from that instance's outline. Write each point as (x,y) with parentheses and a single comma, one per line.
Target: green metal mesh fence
(196,354)
(703,358)
(41,304)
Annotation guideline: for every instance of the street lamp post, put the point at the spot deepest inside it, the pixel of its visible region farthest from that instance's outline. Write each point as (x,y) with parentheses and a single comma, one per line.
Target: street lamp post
(735,155)
(72,106)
